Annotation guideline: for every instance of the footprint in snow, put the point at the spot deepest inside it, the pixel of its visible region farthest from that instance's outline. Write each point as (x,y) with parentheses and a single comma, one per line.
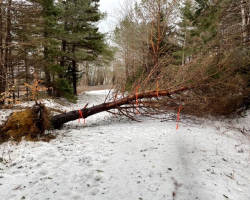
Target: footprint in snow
(94,191)
(97,177)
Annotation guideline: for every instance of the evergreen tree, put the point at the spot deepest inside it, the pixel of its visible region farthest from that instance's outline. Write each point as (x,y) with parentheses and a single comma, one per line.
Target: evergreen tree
(80,36)
(217,46)
(188,42)
(49,14)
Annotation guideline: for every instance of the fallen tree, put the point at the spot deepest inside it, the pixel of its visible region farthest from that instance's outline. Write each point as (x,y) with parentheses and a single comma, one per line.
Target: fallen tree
(58,120)
(32,122)
(205,93)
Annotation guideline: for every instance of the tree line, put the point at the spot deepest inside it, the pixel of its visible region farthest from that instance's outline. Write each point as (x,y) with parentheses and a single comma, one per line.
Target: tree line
(50,39)
(201,44)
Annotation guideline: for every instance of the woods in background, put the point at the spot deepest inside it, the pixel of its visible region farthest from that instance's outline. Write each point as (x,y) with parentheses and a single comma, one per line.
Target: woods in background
(158,44)
(201,44)
(171,55)
(51,39)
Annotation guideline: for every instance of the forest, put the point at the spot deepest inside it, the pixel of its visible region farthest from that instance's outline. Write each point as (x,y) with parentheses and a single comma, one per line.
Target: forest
(49,39)
(201,44)
(161,54)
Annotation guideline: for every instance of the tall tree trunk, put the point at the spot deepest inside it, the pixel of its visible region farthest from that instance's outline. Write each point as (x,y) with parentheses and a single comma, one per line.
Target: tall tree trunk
(46,68)
(155,45)
(62,62)
(47,75)
(7,52)
(2,69)
(126,65)
(74,75)
(245,22)
(26,69)
(183,48)
(64,44)
(87,74)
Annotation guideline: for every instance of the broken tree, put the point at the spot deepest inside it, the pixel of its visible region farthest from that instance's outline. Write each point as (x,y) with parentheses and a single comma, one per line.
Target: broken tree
(32,122)
(58,120)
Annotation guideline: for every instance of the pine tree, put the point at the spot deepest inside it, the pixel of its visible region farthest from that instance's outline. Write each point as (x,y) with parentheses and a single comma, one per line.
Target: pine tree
(49,14)
(80,36)
(218,49)
(188,42)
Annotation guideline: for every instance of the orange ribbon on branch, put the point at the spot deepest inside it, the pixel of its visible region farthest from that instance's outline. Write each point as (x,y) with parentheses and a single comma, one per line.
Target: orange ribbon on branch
(136,99)
(81,116)
(157,86)
(178,117)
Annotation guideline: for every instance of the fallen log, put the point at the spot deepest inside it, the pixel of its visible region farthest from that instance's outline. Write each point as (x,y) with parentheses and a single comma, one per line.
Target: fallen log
(33,122)
(58,120)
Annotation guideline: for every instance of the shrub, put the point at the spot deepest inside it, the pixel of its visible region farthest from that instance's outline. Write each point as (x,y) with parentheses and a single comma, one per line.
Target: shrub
(64,89)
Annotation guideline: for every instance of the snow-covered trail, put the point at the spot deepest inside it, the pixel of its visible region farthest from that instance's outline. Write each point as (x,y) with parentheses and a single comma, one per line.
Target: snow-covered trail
(113,159)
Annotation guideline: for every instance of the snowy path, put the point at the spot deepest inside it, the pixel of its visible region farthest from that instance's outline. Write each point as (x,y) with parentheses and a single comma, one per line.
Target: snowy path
(108,159)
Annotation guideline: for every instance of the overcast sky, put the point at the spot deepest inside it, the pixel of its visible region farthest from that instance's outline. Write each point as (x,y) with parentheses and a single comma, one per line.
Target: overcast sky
(109,6)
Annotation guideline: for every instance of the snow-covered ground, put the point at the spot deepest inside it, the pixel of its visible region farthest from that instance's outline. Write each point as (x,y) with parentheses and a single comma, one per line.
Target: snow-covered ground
(113,158)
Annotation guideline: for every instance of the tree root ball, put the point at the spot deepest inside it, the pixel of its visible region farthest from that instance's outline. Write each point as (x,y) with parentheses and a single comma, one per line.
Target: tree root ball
(29,124)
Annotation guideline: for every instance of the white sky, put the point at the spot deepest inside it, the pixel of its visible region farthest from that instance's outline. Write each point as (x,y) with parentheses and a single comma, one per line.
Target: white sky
(109,6)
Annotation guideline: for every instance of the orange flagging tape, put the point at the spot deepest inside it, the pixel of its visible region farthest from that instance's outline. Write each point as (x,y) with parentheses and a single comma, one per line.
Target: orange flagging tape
(136,101)
(178,117)
(81,116)
(115,103)
(157,86)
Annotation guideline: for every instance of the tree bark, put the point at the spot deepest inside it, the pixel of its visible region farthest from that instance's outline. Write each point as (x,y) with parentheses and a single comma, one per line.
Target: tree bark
(64,45)
(245,22)
(74,75)
(48,82)
(2,70)
(7,52)
(62,62)
(58,120)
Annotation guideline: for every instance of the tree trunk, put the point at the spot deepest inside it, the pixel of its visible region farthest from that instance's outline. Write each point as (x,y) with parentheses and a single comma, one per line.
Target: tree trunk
(74,75)
(26,69)
(245,22)
(183,48)
(62,62)
(33,122)
(58,120)
(126,65)
(48,82)
(2,69)
(87,74)
(6,53)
